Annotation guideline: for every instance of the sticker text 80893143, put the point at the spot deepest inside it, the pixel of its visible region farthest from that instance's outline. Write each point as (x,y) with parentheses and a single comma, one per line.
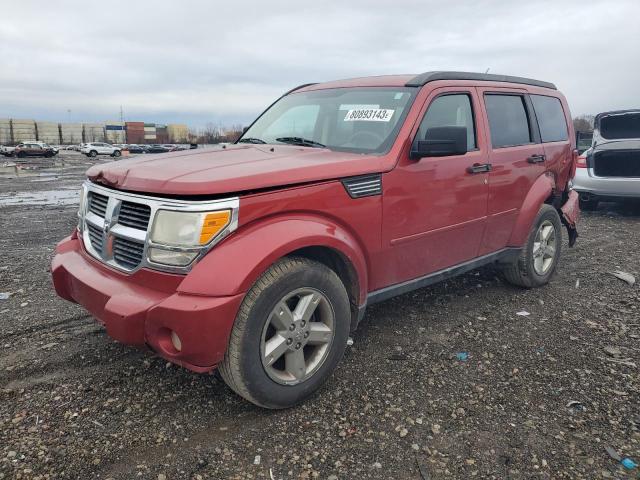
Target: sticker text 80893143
(369,115)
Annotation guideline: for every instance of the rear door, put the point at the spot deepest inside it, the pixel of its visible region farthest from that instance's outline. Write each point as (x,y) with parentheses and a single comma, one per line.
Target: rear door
(552,120)
(517,160)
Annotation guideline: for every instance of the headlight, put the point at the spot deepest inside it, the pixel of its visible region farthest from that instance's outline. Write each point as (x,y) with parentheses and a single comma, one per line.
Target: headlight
(184,234)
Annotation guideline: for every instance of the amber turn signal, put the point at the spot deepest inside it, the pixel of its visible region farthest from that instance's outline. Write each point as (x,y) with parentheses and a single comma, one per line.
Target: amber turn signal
(213,223)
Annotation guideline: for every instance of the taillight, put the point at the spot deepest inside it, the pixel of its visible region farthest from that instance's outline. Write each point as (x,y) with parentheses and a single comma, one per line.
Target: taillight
(581,162)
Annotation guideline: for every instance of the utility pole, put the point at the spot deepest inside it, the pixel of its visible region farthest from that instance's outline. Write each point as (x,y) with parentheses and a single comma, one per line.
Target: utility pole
(123,126)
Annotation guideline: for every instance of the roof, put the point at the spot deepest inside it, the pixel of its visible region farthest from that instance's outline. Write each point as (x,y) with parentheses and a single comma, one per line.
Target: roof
(422,79)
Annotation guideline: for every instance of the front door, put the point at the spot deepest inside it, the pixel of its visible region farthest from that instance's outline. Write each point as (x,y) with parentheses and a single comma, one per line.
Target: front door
(434,208)
(517,159)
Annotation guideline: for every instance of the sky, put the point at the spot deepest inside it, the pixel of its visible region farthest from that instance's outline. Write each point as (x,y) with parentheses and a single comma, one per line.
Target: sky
(205,61)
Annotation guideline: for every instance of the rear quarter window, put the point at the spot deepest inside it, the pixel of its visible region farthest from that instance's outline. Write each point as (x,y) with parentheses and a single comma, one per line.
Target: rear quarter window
(508,120)
(551,119)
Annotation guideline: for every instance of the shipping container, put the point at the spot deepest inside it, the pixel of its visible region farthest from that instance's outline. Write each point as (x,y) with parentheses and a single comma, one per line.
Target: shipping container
(94,132)
(48,132)
(23,130)
(71,133)
(5,131)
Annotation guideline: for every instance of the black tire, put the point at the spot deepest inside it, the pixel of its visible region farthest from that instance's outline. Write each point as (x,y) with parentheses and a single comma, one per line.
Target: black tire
(21,154)
(589,205)
(522,271)
(116,154)
(93,153)
(242,368)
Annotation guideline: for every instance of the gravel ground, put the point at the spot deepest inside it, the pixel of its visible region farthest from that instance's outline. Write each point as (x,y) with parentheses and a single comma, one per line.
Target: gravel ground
(445,382)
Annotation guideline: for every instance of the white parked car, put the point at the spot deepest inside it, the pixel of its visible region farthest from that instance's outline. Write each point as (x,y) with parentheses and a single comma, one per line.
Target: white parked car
(96,148)
(610,169)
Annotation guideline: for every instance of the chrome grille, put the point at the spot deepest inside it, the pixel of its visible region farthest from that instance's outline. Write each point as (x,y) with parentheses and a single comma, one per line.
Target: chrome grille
(98,204)
(115,226)
(95,234)
(134,215)
(127,253)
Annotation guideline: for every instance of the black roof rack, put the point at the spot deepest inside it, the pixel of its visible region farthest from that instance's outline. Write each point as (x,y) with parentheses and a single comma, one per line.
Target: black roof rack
(424,78)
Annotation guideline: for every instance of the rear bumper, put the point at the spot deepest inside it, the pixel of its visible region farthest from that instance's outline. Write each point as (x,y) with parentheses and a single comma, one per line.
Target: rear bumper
(144,308)
(585,182)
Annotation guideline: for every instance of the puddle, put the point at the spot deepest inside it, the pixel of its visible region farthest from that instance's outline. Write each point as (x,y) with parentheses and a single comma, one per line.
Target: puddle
(43,197)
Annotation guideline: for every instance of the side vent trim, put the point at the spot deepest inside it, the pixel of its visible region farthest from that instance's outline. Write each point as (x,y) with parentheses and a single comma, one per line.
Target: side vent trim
(363,186)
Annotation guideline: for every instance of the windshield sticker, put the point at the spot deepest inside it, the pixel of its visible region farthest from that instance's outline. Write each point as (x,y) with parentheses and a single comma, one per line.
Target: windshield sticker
(369,115)
(357,106)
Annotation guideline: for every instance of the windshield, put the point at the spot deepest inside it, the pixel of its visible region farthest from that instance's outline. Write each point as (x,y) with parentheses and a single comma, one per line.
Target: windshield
(362,120)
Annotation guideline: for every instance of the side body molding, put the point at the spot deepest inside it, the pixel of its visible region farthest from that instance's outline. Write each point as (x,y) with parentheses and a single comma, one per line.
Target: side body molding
(541,190)
(250,251)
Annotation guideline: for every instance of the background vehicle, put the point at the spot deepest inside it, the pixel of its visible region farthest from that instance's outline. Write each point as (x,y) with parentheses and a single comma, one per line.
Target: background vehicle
(97,148)
(610,169)
(155,148)
(7,150)
(34,149)
(359,190)
(137,149)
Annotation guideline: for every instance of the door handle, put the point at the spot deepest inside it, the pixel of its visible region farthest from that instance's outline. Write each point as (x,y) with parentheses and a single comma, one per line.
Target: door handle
(479,168)
(536,159)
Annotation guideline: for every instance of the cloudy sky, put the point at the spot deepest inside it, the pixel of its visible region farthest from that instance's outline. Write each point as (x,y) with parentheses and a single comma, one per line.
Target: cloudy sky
(201,61)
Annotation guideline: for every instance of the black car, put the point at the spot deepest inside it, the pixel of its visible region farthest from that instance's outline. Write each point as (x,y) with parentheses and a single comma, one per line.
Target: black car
(137,148)
(157,149)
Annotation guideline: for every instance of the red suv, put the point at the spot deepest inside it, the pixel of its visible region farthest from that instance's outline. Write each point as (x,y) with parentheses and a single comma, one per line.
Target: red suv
(259,258)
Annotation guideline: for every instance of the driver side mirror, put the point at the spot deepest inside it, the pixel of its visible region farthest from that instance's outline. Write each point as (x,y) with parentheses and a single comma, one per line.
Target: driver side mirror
(440,142)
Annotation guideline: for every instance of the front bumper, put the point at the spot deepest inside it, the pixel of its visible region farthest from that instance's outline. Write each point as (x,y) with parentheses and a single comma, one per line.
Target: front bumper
(144,308)
(585,182)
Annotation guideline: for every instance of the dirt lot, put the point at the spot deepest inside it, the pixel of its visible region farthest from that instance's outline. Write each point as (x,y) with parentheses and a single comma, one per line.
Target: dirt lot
(403,404)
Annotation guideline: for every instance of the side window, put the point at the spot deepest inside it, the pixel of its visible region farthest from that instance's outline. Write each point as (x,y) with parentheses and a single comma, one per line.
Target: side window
(450,111)
(508,120)
(551,120)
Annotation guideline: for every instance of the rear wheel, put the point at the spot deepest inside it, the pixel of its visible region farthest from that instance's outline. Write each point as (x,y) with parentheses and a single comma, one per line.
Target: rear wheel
(539,257)
(589,205)
(289,335)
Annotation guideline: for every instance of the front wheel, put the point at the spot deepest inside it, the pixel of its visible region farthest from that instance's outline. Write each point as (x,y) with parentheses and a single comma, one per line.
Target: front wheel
(93,153)
(539,257)
(116,153)
(289,335)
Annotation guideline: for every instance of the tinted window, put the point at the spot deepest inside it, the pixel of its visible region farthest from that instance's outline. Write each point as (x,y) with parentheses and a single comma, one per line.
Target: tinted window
(553,126)
(622,125)
(508,120)
(450,111)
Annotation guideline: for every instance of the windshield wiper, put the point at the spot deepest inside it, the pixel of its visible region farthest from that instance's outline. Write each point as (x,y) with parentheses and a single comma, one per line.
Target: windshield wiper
(304,142)
(251,140)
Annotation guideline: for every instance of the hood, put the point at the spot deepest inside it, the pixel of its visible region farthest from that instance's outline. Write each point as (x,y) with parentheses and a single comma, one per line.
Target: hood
(237,168)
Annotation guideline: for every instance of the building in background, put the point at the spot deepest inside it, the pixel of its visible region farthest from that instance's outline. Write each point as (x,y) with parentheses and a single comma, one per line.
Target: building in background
(135,132)
(14,131)
(115,132)
(178,133)
(150,132)
(162,136)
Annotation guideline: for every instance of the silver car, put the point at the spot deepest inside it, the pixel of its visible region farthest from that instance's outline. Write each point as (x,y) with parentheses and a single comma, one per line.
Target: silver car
(610,169)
